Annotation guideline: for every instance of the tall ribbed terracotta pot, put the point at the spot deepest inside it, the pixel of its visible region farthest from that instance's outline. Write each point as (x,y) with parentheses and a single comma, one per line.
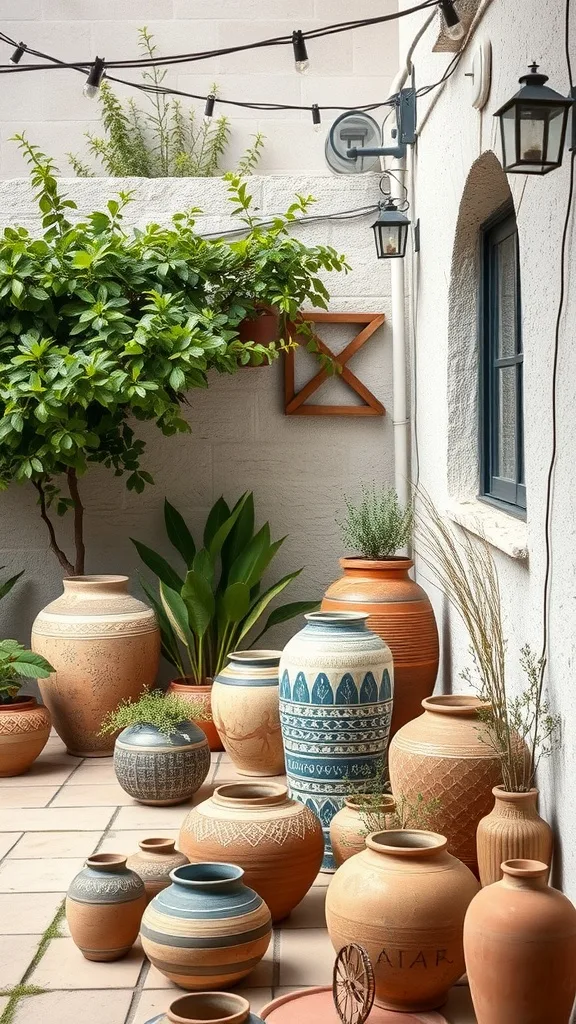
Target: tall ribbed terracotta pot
(400,612)
(185,688)
(445,755)
(520,949)
(24,732)
(246,712)
(513,830)
(105,647)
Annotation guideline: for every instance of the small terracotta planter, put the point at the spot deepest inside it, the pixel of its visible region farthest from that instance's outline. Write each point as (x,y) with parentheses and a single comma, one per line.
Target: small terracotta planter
(262,329)
(216,1007)
(157,858)
(24,732)
(104,907)
(185,688)
(513,830)
(359,817)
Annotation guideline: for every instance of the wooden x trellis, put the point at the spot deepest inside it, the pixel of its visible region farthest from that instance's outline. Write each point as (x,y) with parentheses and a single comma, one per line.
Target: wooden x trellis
(296,401)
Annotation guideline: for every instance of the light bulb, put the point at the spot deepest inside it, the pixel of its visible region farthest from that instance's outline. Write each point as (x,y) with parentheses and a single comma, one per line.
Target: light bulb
(18,53)
(301,62)
(95,75)
(453,27)
(209,108)
(316,118)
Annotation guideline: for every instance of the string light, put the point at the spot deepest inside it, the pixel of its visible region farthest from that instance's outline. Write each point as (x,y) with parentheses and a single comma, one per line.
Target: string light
(18,53)
(453,27)
(316,118)
(209,108)
(301,61)
(95,75)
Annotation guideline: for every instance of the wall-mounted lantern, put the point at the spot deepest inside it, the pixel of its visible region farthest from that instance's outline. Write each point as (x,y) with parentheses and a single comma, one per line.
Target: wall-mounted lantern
(533,126)
(390,231)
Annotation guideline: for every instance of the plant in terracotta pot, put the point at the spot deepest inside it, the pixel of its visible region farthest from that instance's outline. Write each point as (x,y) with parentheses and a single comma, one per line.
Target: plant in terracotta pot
(208,608)
(24,724)
(376,580)
(161,756)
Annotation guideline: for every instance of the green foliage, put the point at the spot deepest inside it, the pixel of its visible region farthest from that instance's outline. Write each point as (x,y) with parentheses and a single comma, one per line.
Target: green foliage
(16,663)
(207,610)
(6,585)
(378,525)
(163,711)
(162,140)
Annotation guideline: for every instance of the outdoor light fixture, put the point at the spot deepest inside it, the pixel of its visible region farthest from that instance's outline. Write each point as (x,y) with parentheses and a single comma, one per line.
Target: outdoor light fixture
(316,118)
(95,75)
(209,108)
(453,27)
(300,52)
(390,231)
(18,53)
(533,126)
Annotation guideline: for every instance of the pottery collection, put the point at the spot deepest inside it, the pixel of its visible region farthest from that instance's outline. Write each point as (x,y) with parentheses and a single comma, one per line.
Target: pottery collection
(400,612)
(156,768)
(277,841)
(360,816)
(207,929)
(104,907)
(105,647)
(512,831)
(520,948)
(156,859)
(24,732)
(216,1007)
(246,712)
(403,899)
(336,680)
(185,688)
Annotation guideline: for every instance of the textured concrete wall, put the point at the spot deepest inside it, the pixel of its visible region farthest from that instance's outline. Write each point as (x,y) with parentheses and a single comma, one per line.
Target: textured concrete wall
(458,184)
(346,69)
(298,467)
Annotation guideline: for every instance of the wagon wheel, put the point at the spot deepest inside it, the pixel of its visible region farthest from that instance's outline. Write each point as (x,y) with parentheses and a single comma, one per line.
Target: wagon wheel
(353,984)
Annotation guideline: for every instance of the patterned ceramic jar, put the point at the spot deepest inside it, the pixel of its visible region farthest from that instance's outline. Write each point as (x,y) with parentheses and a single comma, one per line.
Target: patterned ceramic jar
(335,709)
(156,859)
(24,732)
(208,929)
(246,713)
(158,769)
(104,907)
(216,1007)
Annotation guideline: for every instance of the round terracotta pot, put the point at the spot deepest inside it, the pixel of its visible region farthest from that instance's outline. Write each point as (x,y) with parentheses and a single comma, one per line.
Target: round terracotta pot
(446,755)
(104,907)
(105,647)
(404,899)
(216,1007)
(512,831)
(399,610)
(157,858)
(520,948)
(185,688)
(246,712)
(207,929)
(277,841)
(359,817)
(161,769)
(24,731)
(263,329)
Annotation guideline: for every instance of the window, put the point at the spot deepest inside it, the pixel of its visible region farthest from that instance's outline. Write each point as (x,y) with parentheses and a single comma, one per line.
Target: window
(502,433)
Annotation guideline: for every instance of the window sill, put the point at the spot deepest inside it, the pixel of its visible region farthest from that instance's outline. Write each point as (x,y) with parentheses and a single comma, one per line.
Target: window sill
(501,530)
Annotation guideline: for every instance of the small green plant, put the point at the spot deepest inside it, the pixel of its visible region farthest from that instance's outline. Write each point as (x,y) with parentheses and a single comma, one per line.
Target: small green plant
(378,526)
(17,663)
(161,140)
(6,585)
(163,711)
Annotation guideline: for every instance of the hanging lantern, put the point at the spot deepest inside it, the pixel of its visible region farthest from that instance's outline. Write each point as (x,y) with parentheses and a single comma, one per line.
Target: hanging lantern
(390,231)
(533,126)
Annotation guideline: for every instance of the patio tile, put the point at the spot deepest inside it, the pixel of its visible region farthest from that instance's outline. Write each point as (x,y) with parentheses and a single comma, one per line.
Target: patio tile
(306,957)
(93,774)
(7,841)
(310,911)
(72,1007)
(4,1000)
(42,773)
(127,842)
(27,796)
(55,819)
(16,952)
(323,878)
(63,966)
(25,913)
(458,1009)
(55,844)
(140,816)
(91,796)
(48,875)
(58,757)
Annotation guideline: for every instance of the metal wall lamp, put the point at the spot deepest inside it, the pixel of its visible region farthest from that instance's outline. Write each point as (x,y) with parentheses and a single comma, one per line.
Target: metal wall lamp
(533,126)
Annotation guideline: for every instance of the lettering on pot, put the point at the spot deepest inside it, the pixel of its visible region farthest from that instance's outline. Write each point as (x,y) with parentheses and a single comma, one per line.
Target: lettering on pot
(407,958)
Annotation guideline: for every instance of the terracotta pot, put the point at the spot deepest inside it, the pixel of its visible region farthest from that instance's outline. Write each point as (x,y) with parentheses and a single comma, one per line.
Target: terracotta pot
(24,731)
(158,769)
(187,690)
(216,1007)
(399,611)
(512,831)
(105,647)
(316,1006)
(246,712)
(335,710)
(157,858)
(446,755)
(207,929)
(358,818)
(263,328)
(520,948)
(404,899)
(277,841)
(104,907)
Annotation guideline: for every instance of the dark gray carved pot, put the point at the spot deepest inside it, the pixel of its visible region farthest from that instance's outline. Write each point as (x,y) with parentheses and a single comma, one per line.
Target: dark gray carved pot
(159,769)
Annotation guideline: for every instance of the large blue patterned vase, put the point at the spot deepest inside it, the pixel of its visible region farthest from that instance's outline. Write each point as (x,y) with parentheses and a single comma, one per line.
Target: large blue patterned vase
(336,680)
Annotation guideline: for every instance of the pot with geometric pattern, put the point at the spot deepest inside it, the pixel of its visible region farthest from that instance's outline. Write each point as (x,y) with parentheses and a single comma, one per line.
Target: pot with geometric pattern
(336,680)
(24,732)
(104,907)
(158,768)
(156,859)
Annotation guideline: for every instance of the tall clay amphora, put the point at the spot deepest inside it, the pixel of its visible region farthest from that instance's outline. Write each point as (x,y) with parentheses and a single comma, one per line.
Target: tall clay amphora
(335,709)
(520,949)
(400,612)
(105,646)
(246,714)
(445,760)
(404,899)
(512,831)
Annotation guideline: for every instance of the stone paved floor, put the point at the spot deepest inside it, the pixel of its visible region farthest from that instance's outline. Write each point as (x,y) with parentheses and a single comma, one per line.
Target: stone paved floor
(54,817)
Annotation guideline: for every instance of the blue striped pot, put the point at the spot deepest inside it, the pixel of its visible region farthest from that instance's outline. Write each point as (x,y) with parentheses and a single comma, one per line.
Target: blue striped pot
(246,714)
(336,680)
(208,929)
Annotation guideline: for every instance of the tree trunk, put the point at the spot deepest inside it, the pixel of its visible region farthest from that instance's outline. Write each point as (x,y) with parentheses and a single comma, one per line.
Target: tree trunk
(78,523)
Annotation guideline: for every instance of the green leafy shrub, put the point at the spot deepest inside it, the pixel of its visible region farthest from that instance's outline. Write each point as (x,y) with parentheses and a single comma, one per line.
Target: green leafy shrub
(17,663)
(378,525)
(164,711)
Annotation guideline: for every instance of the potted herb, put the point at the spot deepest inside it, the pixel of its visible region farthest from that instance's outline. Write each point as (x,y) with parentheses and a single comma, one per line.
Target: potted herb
(207,608)
(376,580)
(161,756)
(24,724)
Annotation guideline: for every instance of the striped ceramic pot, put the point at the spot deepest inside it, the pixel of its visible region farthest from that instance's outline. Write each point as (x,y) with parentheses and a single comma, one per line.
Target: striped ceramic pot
(336,682)
(246,714)
(208,929)
(158,769)
(104,907)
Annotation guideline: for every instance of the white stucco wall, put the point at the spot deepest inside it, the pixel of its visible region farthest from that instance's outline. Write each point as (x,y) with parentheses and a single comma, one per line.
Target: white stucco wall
(453,138)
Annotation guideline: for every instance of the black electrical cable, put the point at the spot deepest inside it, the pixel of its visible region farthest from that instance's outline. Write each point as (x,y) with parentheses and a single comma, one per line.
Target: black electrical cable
(358,211)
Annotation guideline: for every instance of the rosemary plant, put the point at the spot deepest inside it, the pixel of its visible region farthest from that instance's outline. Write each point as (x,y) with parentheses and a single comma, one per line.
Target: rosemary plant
(153,707)
(378,525)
